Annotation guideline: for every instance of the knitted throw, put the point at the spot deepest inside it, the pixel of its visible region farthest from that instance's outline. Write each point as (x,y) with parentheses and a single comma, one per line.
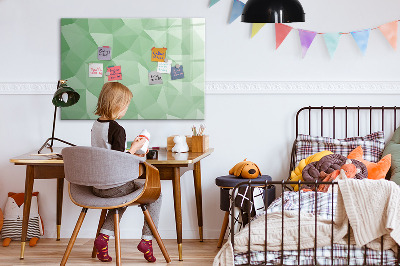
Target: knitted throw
(373,209)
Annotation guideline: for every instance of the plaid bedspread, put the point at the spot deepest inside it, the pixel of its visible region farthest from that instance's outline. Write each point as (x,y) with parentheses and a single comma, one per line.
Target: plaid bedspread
(307,202)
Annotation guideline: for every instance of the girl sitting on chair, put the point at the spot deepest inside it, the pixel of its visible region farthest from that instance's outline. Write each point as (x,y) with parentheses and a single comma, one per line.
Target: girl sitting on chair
(106,133)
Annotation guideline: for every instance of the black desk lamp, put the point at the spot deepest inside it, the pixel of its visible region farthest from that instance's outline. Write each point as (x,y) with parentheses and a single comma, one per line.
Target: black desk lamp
(273,11)
(64,96)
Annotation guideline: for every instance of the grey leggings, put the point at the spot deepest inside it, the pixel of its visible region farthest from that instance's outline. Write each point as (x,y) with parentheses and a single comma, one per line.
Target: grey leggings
(154,208)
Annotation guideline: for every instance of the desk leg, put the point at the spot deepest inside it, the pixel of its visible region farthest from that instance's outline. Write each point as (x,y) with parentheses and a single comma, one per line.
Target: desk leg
(199,204)
(176,182)
(60,190)
(27,206)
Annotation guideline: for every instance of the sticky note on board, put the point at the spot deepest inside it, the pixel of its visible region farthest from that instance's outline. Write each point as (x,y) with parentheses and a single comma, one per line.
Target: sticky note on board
(115,73)
(177,72)
(164,67)
(155,78)
(104,53)
(95,70)
(158,54)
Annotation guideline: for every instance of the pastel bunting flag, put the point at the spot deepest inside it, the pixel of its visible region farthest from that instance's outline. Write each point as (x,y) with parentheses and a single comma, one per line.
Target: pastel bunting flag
(306,39)
(281,31)
(332,41)
(237,9)
(256,28)
(213,2)
(361,37)
(389,30)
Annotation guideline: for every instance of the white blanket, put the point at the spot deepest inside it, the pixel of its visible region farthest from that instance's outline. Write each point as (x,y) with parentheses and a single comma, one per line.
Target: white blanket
(373,209)
(371,206)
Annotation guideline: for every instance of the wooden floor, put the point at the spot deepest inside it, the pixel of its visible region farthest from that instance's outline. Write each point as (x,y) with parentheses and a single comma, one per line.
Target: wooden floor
(50,252)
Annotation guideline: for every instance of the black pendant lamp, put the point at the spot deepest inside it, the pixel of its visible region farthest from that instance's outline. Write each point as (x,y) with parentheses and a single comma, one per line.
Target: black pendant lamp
(273,11)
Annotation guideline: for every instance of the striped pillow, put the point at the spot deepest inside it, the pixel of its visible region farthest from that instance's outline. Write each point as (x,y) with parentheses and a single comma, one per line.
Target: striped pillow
(372,145)
(13,228)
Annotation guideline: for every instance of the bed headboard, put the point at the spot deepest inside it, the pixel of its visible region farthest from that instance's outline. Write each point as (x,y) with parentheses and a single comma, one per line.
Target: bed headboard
(344,121)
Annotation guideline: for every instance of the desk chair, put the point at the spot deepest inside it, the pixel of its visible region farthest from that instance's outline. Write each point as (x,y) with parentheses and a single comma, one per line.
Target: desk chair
(85,167)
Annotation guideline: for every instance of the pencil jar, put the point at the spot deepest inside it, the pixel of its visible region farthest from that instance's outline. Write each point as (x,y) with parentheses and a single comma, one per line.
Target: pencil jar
(200,143)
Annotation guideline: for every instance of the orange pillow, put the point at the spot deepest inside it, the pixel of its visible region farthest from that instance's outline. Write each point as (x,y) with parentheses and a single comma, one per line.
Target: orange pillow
(375,170)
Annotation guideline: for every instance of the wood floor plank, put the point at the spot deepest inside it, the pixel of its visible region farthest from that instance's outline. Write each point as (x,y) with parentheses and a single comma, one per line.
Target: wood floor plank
(49,252)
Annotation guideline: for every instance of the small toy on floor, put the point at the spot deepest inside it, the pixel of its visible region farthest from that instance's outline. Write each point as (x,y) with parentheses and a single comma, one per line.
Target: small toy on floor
(13,215)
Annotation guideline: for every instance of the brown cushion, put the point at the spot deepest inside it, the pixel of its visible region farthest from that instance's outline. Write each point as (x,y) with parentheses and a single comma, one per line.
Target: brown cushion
(328,164)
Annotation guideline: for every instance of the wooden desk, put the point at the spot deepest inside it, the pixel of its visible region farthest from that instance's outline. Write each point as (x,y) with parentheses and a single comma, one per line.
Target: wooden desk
(168,164)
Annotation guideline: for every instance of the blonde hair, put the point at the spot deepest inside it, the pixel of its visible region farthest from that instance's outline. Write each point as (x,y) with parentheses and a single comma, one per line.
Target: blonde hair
(113,98)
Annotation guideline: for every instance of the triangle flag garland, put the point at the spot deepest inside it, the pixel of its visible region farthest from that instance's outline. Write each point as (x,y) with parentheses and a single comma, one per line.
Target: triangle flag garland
(306,39)
(361,37)
(281,31)
(237,9)
(213,2)
(332,41)
(389,30)
(256,27)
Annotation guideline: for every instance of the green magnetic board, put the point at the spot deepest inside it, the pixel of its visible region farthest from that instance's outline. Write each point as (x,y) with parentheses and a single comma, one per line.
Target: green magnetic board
(131,41)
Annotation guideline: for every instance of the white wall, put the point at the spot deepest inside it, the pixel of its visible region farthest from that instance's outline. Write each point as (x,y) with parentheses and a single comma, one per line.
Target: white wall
(259,127)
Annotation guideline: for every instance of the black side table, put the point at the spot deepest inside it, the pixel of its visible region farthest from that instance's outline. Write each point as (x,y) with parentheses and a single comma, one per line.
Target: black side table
(226,183)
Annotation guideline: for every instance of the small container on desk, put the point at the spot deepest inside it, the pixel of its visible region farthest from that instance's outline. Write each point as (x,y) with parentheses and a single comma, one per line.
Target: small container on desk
(200,143)
(152,154)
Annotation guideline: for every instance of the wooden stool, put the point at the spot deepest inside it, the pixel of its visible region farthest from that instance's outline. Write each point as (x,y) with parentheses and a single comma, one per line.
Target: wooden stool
(226,183)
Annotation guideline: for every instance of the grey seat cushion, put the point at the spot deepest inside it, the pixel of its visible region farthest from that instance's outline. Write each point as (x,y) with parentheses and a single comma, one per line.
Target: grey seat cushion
(83,196)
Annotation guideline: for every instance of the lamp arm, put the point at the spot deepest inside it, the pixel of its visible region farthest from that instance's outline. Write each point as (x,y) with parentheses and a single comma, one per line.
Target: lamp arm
(54,126)
(46,143)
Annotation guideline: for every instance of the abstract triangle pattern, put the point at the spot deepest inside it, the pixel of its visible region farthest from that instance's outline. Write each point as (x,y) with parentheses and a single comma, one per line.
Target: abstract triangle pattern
(361,38)
(306,39)
(389,30)
(237,9)
(281,31)
(131,41)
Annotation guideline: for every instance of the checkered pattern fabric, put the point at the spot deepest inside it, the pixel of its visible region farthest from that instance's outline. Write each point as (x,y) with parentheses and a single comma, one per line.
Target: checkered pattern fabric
(321,205)
(306,201)
(372,145)
(244,206)
(254,205)
(324,257)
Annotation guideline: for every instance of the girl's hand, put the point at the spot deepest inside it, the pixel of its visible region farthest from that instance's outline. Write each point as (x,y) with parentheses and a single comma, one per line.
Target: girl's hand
(137,144)
(142,155)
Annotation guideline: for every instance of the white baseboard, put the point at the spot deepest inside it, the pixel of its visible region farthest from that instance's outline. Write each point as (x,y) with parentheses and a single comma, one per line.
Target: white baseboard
(248,87)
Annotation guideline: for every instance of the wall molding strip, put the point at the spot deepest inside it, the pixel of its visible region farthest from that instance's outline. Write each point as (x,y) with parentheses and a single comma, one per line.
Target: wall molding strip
(251,87)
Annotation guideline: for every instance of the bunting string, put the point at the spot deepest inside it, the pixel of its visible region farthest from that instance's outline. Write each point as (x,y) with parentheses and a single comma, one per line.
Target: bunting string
(361,37)
(343,33)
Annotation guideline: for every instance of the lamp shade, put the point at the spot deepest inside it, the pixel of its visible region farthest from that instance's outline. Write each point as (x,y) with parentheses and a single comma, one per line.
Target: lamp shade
(65,96)
(273,11)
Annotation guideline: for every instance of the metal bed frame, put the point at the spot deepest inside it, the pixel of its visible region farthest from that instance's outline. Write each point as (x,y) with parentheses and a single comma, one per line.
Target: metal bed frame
(283,184)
